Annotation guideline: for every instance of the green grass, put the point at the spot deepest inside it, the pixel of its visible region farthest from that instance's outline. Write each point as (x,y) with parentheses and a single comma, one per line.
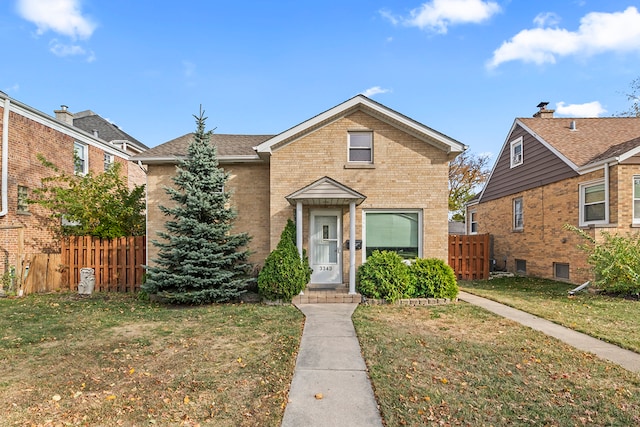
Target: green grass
(612,319)
(114,360)
(461,365)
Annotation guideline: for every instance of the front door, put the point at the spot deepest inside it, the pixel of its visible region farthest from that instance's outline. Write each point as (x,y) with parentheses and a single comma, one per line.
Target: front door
(325,248)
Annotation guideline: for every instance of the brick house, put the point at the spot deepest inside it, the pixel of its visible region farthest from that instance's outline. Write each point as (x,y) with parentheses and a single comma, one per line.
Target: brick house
(356,172)
(107,131)
(27,132)
(555,171)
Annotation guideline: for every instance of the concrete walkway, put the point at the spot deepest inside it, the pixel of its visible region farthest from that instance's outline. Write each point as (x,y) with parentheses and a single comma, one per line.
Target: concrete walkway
(625,358)
(330,385)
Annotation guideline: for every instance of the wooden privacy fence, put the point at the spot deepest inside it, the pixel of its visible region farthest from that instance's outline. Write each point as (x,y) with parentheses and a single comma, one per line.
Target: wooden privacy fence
(469,256)
(118,263)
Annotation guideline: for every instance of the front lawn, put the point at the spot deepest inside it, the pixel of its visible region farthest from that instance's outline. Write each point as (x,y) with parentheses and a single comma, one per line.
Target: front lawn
(112,360)
(461,365)
(612,319)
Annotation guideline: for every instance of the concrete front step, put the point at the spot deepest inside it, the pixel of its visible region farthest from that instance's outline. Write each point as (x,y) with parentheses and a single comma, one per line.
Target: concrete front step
(322,296)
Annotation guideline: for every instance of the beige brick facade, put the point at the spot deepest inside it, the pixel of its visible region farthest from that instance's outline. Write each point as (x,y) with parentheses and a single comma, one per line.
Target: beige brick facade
(543,240)
(407,173)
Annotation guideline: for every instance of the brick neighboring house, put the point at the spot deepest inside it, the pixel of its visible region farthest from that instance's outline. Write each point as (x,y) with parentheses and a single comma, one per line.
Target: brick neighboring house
(356,172)
(27,132)
(555,171)
(101,128)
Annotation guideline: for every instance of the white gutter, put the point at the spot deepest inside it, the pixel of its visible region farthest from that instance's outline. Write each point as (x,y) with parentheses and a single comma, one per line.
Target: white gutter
(5,156)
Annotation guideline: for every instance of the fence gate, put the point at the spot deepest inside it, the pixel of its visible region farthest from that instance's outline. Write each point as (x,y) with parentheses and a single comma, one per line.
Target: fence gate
(469,256)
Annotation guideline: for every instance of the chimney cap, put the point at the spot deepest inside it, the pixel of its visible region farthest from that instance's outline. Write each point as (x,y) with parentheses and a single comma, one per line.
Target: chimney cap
(64,107)
(542,105)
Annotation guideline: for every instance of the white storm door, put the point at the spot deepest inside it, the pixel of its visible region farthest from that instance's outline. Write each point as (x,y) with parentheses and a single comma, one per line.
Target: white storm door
(325,248)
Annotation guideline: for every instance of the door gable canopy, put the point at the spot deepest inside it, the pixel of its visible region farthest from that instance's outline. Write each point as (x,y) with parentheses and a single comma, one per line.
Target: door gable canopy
(325,192)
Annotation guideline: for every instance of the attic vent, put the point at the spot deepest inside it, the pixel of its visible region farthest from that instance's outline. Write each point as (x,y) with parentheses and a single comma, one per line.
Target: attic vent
(572,126)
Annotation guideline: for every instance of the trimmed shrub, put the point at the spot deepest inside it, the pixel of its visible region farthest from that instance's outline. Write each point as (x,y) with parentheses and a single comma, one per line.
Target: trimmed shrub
(433,278)
(384,276)
(284,274)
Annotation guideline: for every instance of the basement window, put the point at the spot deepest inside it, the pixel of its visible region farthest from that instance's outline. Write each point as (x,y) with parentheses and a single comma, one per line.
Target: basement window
(521,266)
(561,270)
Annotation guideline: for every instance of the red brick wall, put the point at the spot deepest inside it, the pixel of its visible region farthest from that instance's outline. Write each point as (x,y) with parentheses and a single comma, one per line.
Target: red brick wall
(27,139)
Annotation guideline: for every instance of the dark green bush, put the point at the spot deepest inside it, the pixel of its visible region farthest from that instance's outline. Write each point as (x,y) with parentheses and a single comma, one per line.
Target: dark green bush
(433,278)
(284,274)
(384,276)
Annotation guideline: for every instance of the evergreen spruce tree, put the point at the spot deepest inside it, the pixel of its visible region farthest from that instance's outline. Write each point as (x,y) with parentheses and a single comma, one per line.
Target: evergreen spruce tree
(200,260)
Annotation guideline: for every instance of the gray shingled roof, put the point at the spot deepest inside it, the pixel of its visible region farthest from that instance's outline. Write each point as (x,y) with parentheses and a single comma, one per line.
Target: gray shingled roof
(593,138)
(228,146)
(107,131)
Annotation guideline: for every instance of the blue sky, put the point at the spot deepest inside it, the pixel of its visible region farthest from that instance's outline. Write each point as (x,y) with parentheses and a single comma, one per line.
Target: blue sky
(466,68)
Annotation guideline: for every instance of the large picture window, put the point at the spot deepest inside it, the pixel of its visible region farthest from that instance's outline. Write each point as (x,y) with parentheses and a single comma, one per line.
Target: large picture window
(397,231)
(593,203)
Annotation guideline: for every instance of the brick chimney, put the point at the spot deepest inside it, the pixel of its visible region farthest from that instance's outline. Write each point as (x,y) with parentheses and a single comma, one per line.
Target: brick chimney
(64,115)
(543,113)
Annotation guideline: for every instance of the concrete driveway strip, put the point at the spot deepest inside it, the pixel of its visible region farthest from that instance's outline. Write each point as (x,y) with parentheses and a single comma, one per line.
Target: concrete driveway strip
(625,358)
(330,385)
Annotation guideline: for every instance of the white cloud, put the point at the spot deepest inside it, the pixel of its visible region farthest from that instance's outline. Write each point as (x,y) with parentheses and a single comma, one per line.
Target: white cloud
(61,16)
(62,50)
(589,109)
(546,19)
(438,15)
(374,91)
(598,32)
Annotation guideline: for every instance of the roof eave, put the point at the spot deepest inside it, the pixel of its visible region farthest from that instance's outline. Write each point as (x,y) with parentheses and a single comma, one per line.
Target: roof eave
(176,159)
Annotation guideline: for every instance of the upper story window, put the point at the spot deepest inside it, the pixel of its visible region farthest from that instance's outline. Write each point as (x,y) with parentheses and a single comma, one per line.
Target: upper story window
(80,158)
(518,216)
(636,199)
(593,203)
(516,152)
(473,222)
(361,147)
(108,161)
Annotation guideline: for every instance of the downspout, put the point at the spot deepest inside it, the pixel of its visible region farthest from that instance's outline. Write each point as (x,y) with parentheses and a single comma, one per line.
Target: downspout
(606,192)
(5,156)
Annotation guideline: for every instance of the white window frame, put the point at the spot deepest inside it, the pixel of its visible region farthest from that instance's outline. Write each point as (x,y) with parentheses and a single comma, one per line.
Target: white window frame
(108,161)
(634,199)
(395,211)
(473,222)
(516,160)
(583,187)
(518,226)
(82,151)
(350,148)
